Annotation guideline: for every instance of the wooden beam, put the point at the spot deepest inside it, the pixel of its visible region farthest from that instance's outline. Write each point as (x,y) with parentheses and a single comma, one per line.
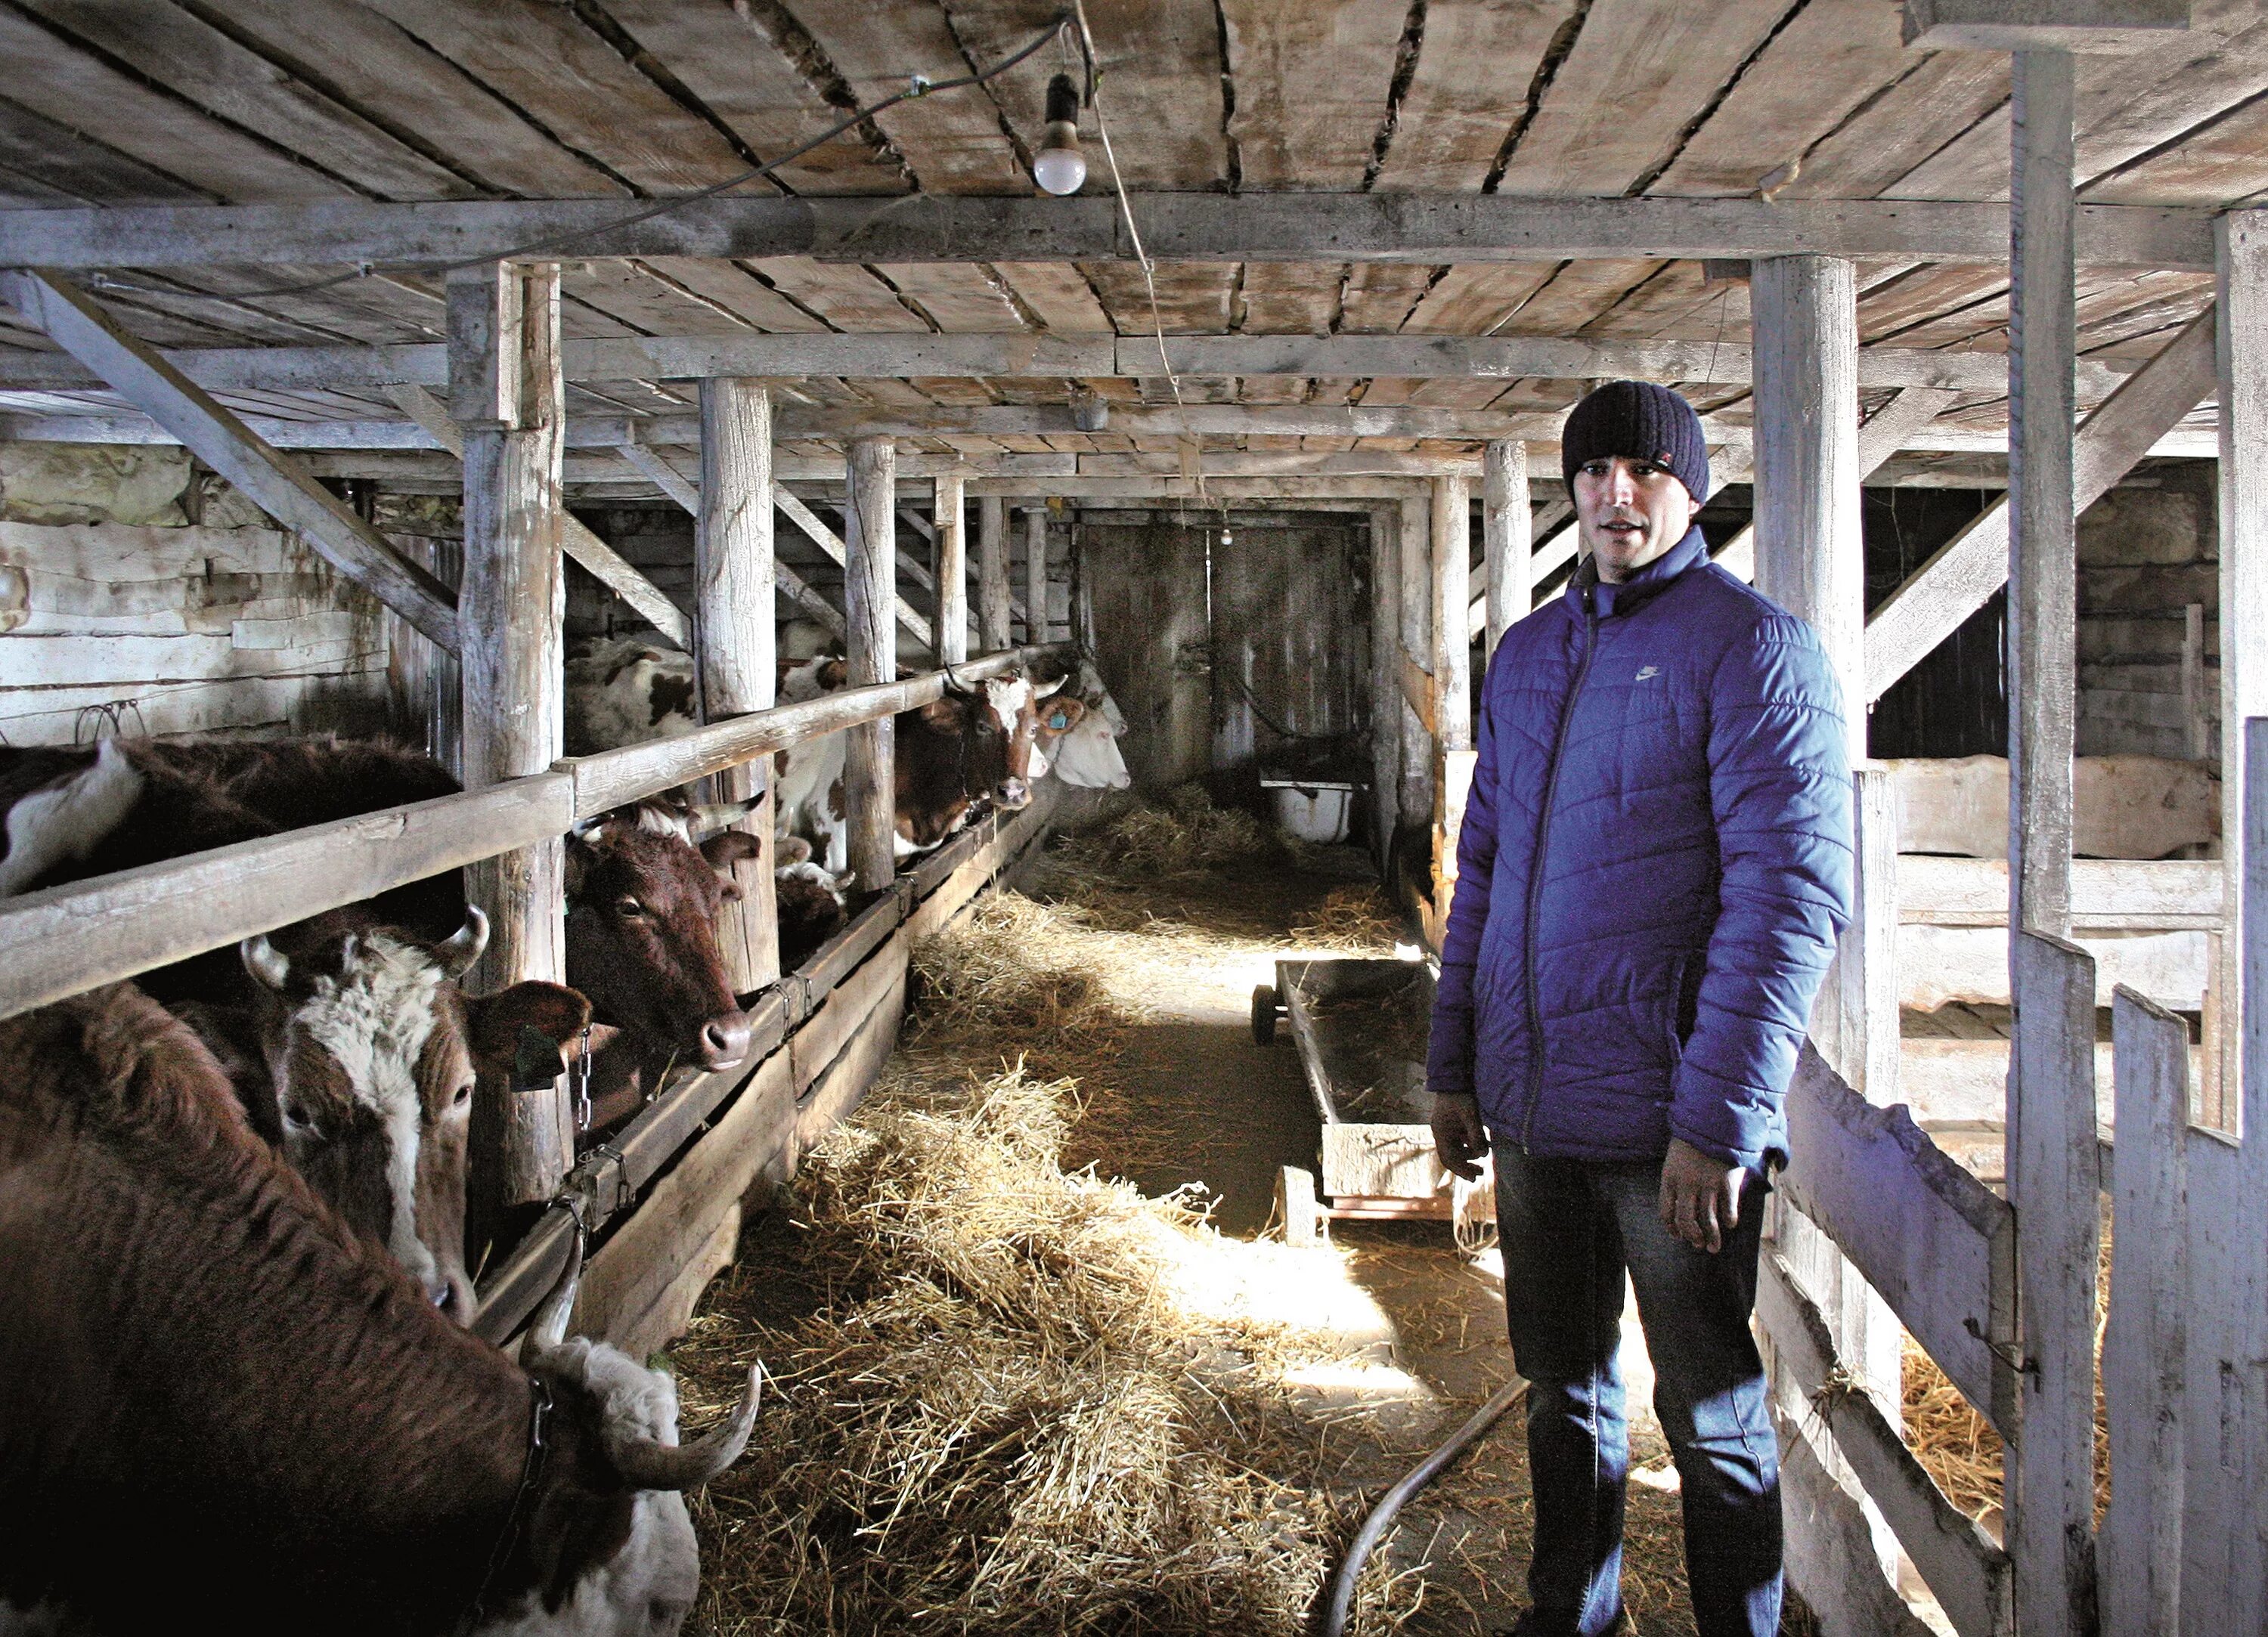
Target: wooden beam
(2241,369)
(869,592)
(653,465)
(601,561)
(1425,229)
(733,602)
(1450,531)
(1035,574)
(951,514)
(992,609)
(1044,357)
(1419,727)
(506,391)
(272,481)
(1964,1570)
(1507,540)
(1385,682)
(2043,553)
(836,548)
(2093,26)
(1960,577)
(2145,1338)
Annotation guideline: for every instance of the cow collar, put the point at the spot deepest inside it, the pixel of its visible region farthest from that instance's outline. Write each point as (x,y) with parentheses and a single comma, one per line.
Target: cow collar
(515,1522)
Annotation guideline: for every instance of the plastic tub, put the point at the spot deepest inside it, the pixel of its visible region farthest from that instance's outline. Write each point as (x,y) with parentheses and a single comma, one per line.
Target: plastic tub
(1314,810)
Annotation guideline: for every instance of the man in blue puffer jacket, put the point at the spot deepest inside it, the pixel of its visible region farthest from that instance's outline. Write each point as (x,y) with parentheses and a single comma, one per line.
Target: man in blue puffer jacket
(1655,861)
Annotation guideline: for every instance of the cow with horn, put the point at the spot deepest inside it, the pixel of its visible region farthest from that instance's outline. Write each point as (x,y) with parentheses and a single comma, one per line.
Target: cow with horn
(220,1397)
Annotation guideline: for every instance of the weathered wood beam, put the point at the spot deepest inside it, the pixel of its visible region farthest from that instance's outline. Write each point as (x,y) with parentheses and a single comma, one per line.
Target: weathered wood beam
(506,392)
(651,464)
(1450,531)
(1291,486)
(273,482)
(601,561)
(1421,228)
(993,612)
(950,512)
(1507,540)
(1050,357)
(733,625)
(2094,26)
(2240,370)
(1035,574)
(1960,577)
(1386,707)
(870,593)
(838,550)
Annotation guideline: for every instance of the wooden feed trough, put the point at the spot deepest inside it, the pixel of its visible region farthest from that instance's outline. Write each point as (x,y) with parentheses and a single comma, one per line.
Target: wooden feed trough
(1361,1025)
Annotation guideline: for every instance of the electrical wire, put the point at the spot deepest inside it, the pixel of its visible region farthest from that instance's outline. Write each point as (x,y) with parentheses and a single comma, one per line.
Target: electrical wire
(916,86)
(1134,233)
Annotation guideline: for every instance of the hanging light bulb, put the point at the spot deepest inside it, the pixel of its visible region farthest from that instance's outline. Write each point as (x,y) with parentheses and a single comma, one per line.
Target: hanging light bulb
(1059,167)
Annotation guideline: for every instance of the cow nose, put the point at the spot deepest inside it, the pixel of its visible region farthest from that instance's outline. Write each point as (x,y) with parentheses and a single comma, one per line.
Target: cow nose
(1014,793)
(723,1040)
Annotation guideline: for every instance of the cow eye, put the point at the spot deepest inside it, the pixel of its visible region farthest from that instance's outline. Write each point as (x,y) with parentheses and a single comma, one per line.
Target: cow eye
(630,909)
(464,1095)
(297,1117)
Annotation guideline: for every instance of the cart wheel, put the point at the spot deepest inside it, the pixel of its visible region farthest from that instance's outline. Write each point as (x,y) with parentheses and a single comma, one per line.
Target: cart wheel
(1295,1204)
(1265,1009)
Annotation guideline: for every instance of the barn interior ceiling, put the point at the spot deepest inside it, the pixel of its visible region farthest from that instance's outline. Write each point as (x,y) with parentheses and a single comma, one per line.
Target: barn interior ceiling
(1382,234)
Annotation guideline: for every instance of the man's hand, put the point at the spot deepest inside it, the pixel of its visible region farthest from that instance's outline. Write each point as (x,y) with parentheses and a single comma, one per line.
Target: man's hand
(1459,1137)
(1700,1196)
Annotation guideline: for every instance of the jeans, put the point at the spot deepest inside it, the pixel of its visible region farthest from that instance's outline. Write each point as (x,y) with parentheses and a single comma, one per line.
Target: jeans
(1569,1230)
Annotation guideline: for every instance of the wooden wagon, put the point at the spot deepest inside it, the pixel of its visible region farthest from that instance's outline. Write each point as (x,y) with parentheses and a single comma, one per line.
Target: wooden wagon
(1360,1026)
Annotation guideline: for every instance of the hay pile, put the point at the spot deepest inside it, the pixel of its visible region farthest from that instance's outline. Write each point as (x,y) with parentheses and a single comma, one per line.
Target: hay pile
(1187,833)
(1357,918)
(1002,1401)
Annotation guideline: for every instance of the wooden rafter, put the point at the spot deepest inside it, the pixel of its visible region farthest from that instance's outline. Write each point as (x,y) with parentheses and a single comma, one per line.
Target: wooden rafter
(273,480)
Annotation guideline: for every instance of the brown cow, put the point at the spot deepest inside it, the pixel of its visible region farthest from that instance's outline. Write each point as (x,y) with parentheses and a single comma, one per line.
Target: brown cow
(220,1397)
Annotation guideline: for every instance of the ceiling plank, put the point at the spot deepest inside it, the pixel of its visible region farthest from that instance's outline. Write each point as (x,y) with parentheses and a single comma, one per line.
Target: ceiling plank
(1453,116)
(1311,83)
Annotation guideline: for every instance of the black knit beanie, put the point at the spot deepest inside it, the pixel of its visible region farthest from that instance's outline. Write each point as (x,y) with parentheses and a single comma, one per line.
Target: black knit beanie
(1638,421)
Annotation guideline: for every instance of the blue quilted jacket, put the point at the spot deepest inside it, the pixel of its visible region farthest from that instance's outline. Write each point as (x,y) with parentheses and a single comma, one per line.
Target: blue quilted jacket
(1655,861)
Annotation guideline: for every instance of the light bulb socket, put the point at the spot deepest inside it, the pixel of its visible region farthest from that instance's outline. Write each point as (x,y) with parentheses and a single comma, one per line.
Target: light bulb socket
(1062,104)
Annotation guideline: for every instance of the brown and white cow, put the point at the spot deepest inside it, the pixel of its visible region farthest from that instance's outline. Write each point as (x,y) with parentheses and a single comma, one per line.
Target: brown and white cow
(811,905)
(221,1398)
(349,1043)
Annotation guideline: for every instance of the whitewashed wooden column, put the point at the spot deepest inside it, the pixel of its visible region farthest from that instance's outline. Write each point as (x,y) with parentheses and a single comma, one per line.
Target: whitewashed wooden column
(995,609)
(1414,662)
(734,640)
(1810,558)
(1035,574)
(1386,705)
(1451,540)
(2242,343)
(952,629)
(1507,540)
(2053,1168)
(506,391)
(870,590)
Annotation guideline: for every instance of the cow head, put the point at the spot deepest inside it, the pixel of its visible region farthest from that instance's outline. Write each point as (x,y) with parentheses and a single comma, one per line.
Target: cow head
(642,906)
(1006,731)
(608,1546)
(371,1051)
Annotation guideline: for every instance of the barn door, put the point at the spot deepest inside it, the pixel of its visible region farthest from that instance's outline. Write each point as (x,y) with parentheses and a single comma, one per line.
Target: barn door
(1290,638)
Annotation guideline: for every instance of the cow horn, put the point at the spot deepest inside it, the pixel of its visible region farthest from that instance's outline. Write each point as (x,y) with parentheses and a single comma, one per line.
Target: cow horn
(264,961)
(705,818)
(645,1463)
(547,1331)
(1042,692)
(466,943)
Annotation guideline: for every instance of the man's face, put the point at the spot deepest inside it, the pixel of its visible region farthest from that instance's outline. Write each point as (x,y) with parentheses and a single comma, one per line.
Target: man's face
(1630,512)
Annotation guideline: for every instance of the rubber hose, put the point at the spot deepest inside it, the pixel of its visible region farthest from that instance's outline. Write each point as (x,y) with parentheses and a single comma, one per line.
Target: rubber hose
(1424,1472)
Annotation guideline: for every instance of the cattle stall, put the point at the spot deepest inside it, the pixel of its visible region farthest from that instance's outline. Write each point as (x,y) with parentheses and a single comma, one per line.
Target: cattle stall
(368,365)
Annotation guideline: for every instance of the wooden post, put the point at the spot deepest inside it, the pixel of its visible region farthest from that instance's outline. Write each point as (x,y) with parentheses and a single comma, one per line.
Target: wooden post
(2242,346)
(1386,705)
(870,581)
(506,391)
(1416,579)
(952,626)
(2043,580)
(1507,537)
(733,639)
(993,613)
(2144,1344)
(1035,574)
(1451,532)
(1810,550)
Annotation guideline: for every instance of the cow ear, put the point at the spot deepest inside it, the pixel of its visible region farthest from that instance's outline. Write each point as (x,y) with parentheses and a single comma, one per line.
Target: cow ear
(552,1009)
(946,714)
(791,850)
(834,674)
(1063,715)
